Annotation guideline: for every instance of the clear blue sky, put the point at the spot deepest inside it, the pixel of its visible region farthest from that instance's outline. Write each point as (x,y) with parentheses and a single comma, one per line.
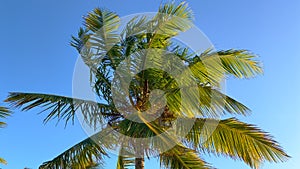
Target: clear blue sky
(36,57)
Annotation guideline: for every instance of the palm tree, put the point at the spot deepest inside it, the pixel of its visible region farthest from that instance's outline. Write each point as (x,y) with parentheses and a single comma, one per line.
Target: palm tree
(4,112)
(231,137)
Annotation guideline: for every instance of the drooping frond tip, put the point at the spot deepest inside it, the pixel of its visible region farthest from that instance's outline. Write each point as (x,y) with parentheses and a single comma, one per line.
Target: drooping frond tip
(85,154)
(240,63)
(62,107)
(237,140)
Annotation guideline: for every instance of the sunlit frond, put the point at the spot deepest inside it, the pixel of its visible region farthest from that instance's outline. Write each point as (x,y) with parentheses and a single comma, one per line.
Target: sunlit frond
(170,20)
(240,63)
(136,26)
(79,156)
(213,100)
(103,25)
(237,140)
(180,157)
(2,161)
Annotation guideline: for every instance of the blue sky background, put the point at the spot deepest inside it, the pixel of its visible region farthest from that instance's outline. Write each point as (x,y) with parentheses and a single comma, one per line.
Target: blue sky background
(36,57)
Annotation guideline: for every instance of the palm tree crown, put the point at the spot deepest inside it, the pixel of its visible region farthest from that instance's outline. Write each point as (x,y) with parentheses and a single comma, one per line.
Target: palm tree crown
(104,50)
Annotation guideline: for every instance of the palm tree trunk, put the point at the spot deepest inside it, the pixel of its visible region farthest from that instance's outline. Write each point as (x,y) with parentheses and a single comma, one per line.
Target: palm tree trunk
(139,163)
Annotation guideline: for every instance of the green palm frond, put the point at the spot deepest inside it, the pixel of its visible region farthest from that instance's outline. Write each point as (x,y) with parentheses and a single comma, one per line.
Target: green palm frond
(207,71)
(180,157)
(4,112)
(170,20)
(87,153)
(136,26)
(63,107)
(237,140)
(2,161)
(99,18)
(148,130)
(79,156)
(180,10)
(174,18)
(213,100)
(104,25)
(125,161)
(240,63)
(211,67)
(97,41)
(81,39)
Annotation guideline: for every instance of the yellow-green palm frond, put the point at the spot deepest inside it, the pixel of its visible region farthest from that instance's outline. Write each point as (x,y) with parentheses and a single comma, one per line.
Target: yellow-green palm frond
(214,100)
(86,153)
(2,161)
(63,108)
(180,157)
(4,112)
(237,140)
(240,63)
(125,161)
(98,18)
(136,26)
(98,39)
(171,19)
(180,10)
(79,156)
(104,25)
(212,66)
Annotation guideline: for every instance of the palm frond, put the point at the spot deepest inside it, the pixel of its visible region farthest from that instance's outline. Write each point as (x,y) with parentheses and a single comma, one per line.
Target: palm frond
(87,153)
(103,25)
(237,140)
(207,71)
(170,20)
(213,100)
(136,26)
(4,112)
(81,39)
(125,161)
(174,18)
(240,63)
(63,108)
(79,156)
(2,161)
(180,157)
